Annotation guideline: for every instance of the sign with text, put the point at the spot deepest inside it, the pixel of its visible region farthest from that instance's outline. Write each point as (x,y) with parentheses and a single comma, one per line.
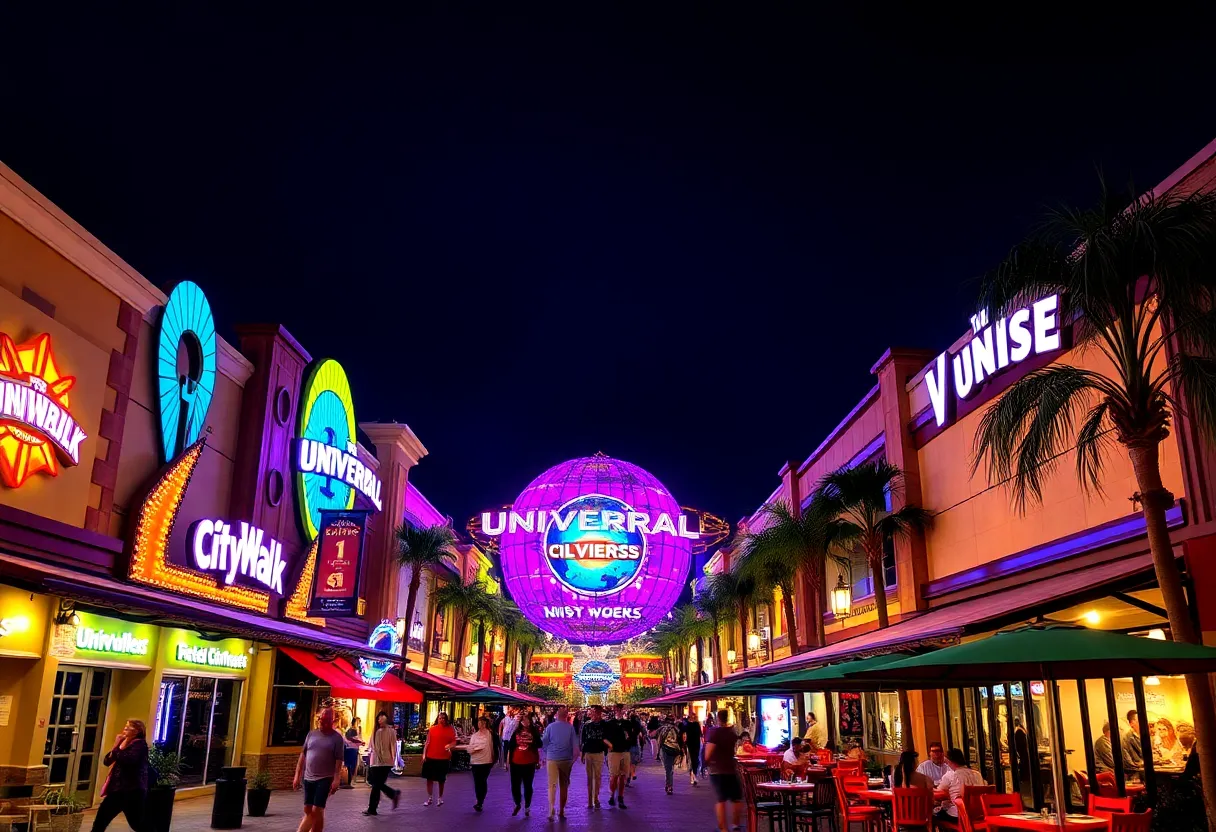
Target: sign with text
(38,433)
(113,642)
(335,586)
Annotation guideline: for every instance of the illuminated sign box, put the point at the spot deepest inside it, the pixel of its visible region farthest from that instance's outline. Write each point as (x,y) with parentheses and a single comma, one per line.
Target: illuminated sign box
(113,642)
(37,430)
(188,652)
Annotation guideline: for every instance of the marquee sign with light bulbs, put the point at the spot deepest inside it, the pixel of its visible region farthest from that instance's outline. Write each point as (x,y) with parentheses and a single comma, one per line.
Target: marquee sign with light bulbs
(38,433)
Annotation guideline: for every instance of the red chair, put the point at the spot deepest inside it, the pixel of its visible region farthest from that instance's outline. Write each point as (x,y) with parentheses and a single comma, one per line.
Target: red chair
(824,756)
(964,819)
(851,784)
(1001,804)
(756,806)
(870,817)
(1131,821)
(975,808)
(911,808)
(821,805)
(1106,784)
(1082,783)
(849,767)
(1108,807)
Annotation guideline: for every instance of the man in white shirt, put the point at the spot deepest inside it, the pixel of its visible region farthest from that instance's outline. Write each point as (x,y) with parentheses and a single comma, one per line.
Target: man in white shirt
(959,775)
(935,767)
(506,730)
(794,754)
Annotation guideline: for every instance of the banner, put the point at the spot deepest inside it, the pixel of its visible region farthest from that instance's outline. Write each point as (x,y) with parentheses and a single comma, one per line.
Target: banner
(335,587)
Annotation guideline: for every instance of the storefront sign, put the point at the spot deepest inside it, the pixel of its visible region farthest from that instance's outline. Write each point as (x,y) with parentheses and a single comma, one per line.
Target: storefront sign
(384,637)
(187,651)
(335,587)
(113,641)
(250,553)
(184,388)
(594,550)
(37,430)
(328,471)
(198,654)
(994,347)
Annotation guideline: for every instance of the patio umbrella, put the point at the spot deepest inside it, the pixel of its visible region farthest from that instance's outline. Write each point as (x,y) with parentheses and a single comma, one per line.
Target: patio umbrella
(837,676)
(1049,652)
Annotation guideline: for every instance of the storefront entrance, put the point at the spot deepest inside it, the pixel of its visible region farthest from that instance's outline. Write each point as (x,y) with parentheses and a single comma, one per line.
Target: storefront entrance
(196,717)
(74,745)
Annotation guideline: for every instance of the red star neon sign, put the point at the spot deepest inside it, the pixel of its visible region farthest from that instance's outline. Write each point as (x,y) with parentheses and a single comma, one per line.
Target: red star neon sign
(37,431)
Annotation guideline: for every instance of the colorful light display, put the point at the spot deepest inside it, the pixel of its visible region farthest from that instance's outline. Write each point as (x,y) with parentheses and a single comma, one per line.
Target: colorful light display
(383,637)
(595,550)
(37,430)
(184,399)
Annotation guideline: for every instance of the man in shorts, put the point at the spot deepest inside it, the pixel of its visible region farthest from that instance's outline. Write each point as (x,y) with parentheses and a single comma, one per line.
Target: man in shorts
(619,737)
(319,770)
(723,775)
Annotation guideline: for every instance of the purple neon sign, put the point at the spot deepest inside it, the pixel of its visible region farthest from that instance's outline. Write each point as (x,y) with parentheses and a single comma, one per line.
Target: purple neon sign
(594,550)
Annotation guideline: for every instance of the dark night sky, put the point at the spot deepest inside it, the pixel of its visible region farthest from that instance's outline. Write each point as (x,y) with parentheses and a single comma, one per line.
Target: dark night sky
(678,236)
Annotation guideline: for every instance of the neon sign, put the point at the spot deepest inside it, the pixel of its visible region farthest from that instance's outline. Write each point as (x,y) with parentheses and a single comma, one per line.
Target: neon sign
(594,550)
(1032,330)
(211,657)
(184,399)
(37,430)
(99,641)
(252,554)
(326,454)
(384,637)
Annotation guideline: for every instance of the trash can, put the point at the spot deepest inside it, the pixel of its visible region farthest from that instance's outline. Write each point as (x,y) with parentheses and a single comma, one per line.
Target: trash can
(228,810)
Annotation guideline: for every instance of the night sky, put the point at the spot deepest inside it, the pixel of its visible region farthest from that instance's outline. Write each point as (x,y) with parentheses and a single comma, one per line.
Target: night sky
(678,236)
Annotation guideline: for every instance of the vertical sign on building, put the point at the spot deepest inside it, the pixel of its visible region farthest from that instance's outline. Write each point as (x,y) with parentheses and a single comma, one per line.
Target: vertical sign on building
(335,586)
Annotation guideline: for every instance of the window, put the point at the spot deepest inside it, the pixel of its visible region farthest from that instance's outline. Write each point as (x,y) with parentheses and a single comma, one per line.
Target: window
(196,717)
(882,722)
(297,695)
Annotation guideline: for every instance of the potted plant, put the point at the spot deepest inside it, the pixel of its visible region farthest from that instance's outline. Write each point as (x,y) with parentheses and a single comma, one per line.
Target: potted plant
(167,766)
(258,795)
(68,812)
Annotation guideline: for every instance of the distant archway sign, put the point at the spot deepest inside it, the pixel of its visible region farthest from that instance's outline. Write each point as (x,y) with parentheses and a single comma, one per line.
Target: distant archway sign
(594,550)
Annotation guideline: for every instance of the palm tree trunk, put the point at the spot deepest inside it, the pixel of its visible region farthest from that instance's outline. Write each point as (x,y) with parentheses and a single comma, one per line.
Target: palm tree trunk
(411,604)
(1156,499)
(428,632)
(481,648)
(791,623)
(718,651)
(820,634)
(506,660)
(493,644)
(880,586)
(743,633)
(464,628)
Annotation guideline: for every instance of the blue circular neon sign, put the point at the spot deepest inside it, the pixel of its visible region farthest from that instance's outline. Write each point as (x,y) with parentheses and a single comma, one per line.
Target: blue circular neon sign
(384,637)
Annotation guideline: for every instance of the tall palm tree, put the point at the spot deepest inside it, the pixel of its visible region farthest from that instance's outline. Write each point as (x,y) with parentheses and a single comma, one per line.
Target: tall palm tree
(422,548)
(719,607)
(1138,281)
(510,617)
(855,504)
(466,601)
(526,638)
(489,618)
(738,594)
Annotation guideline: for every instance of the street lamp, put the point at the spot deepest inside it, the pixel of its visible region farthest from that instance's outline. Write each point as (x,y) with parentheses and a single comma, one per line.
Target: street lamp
(730,656)
(753,641)
(842,598)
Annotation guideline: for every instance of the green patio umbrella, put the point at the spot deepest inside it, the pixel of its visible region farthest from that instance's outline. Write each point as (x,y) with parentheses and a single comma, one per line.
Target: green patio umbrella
(486,696)
(837,676)
(1047,652)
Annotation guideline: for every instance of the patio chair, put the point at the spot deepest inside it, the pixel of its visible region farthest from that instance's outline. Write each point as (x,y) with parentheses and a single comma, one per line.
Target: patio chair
(1082,783)
(912,809)
(757,808)
(870,817)
(824,756)
(1106,784)
(1108,807)
(1001,804)
(975,808)
(851,784)
(1131,821)
(821,805)
(849,767)
(964,817)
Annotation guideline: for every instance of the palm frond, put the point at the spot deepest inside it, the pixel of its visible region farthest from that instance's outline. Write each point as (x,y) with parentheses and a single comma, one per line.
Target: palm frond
(1196,377)
(905,521)
(425,545)
(1022,435)
(1093,439)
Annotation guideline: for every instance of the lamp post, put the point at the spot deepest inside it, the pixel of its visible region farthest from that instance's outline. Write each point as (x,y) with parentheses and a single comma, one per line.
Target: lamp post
(842,599)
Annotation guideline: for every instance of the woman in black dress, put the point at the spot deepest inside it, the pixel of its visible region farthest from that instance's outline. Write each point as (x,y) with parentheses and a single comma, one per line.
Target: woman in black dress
(692,746)
(126,787)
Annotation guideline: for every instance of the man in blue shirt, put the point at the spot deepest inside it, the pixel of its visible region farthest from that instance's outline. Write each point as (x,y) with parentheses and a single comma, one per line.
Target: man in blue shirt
(561,748)
(935,767)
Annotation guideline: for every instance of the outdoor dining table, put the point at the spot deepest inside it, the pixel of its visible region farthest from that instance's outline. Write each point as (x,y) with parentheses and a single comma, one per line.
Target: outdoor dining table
(1035,823)
(888,795)
(788,794)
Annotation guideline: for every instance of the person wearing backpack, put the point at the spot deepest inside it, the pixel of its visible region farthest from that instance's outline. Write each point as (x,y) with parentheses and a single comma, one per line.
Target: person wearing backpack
(668,738)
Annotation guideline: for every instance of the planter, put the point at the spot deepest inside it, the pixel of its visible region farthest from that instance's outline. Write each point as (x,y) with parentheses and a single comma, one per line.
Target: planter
(67,822)
(258,800)
(413,766)
(159,809)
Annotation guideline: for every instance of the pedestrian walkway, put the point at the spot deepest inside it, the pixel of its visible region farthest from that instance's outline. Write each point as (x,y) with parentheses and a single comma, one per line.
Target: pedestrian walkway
(650,810)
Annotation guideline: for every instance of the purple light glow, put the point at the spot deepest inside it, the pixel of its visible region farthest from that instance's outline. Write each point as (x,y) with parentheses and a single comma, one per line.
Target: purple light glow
(557,608)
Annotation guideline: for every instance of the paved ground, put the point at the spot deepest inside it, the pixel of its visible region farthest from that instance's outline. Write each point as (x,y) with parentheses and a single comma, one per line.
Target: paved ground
(650,810)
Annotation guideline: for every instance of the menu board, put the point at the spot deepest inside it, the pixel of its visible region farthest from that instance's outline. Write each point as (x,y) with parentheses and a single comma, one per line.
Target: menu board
(335,586)
(850,715)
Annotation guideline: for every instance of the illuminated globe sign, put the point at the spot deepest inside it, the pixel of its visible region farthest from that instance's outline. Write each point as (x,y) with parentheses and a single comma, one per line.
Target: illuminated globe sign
(595,677)
(595,550)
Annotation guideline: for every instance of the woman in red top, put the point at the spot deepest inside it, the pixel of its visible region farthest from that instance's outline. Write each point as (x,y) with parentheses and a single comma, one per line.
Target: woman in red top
(525,760)
(437,755)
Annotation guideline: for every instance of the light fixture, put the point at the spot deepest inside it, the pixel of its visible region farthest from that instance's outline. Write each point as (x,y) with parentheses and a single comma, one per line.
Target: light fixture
(400,627)
(1092,618)
(753,641)
(1151,680)
(730,655)
(842,598)
(1156,635)
(445,647)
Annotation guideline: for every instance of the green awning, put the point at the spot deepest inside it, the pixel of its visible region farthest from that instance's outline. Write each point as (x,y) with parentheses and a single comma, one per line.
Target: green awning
(829,677)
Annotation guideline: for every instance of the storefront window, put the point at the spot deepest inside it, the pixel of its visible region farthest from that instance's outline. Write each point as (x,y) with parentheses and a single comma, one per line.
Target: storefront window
(882,722)
(297,695)
(196,717)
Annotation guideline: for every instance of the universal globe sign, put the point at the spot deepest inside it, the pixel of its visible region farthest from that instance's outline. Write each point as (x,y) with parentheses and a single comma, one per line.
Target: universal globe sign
(594,550)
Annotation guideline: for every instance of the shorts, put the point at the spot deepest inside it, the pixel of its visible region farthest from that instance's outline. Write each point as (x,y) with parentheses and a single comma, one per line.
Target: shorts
(726,787)
(316,792)
(436,770)
(635,755)
(618,763)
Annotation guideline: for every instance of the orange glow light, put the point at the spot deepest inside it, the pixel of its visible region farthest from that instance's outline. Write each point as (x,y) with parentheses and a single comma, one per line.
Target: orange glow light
(45,435)
(297,604)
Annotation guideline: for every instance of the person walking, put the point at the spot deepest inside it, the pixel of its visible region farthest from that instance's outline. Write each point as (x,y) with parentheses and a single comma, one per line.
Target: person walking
(319,770)
(350,757)
(692,747)
(592,747)
(126,786)
(705,729)
(723,773)
(525,760)
(384,756)
(506,733)
(668,739)
(620,736)
(635,750)
(481,759)
(561,747)
(652,731)
(437,755)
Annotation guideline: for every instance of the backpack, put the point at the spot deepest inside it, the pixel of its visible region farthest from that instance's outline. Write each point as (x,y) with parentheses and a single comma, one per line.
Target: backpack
(668,738)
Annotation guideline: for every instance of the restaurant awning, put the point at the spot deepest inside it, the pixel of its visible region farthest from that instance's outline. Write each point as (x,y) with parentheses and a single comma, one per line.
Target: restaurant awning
(344,681)
(944,625)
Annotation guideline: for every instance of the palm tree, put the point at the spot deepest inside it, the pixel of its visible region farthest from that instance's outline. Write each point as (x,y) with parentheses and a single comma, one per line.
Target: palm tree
(666,640)
(855,505)
(1137,279)
(718,606)
(489,617)
(509,620)
(467,601)
(526,638)
(422,549)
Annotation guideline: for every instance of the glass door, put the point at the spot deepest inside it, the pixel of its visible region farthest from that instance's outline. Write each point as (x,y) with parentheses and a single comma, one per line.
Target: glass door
(74,744)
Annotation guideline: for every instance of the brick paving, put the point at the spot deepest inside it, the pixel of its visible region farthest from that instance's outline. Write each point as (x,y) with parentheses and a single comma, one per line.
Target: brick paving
(650,810)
